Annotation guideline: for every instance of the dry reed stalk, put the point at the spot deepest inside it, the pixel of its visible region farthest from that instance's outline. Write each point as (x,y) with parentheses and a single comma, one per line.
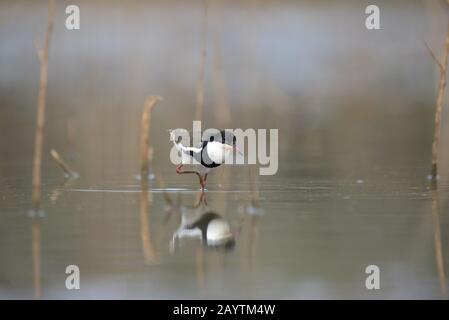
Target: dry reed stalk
(40,122)
(145,126)
(439,106)
(69,172)
(200,84)
(36,235)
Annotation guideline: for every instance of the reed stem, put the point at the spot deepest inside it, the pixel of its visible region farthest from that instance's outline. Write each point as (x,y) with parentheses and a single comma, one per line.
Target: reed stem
(145,126)
(439,106)
(40,121)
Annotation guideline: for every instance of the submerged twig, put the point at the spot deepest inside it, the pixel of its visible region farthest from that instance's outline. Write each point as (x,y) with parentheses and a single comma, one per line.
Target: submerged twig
(69,172)
(439,105)
(145,150)
(200,84)
(40,121)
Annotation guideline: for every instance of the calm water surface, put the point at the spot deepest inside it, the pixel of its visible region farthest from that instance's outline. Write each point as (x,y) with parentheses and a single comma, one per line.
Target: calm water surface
(312,237)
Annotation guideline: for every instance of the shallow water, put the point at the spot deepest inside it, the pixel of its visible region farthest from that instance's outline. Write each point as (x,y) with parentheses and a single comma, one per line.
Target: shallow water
(311,238)
(354,112)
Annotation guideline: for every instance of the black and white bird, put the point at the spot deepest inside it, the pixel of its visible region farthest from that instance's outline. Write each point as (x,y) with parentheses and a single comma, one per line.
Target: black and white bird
(213,152)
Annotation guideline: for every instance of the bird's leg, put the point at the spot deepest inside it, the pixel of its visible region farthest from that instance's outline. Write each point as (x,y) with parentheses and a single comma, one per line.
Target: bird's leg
(202,183)
(180,171)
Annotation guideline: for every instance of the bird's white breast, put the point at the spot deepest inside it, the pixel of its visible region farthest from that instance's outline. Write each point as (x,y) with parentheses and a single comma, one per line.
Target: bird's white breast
(217,152)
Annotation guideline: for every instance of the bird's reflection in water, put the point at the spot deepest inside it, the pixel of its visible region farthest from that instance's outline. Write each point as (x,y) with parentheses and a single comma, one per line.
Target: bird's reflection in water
(211,228)
(199,222)
(209,233)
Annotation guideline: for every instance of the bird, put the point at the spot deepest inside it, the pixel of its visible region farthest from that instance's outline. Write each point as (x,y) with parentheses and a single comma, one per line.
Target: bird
(213,152)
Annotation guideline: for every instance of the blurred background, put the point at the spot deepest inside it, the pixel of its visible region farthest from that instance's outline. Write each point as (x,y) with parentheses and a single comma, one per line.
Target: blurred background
(354,109)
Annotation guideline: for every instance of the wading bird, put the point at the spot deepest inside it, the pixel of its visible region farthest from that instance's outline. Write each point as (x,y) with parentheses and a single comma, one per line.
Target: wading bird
(212,153)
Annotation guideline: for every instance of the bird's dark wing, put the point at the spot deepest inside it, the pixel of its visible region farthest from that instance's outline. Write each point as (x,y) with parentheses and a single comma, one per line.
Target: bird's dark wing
(224,136)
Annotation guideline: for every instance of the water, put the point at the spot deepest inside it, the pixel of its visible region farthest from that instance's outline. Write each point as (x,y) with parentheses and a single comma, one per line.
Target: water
(312,238)
(354,153)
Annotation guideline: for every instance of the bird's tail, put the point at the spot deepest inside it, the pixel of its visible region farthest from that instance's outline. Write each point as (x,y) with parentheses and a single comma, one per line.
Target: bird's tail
(176,141)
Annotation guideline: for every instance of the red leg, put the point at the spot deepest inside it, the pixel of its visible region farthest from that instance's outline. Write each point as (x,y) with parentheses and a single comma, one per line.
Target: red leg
(180,171)
(202,183)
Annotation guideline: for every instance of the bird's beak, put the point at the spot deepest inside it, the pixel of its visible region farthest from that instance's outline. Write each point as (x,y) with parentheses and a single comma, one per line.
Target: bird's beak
(238,150)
